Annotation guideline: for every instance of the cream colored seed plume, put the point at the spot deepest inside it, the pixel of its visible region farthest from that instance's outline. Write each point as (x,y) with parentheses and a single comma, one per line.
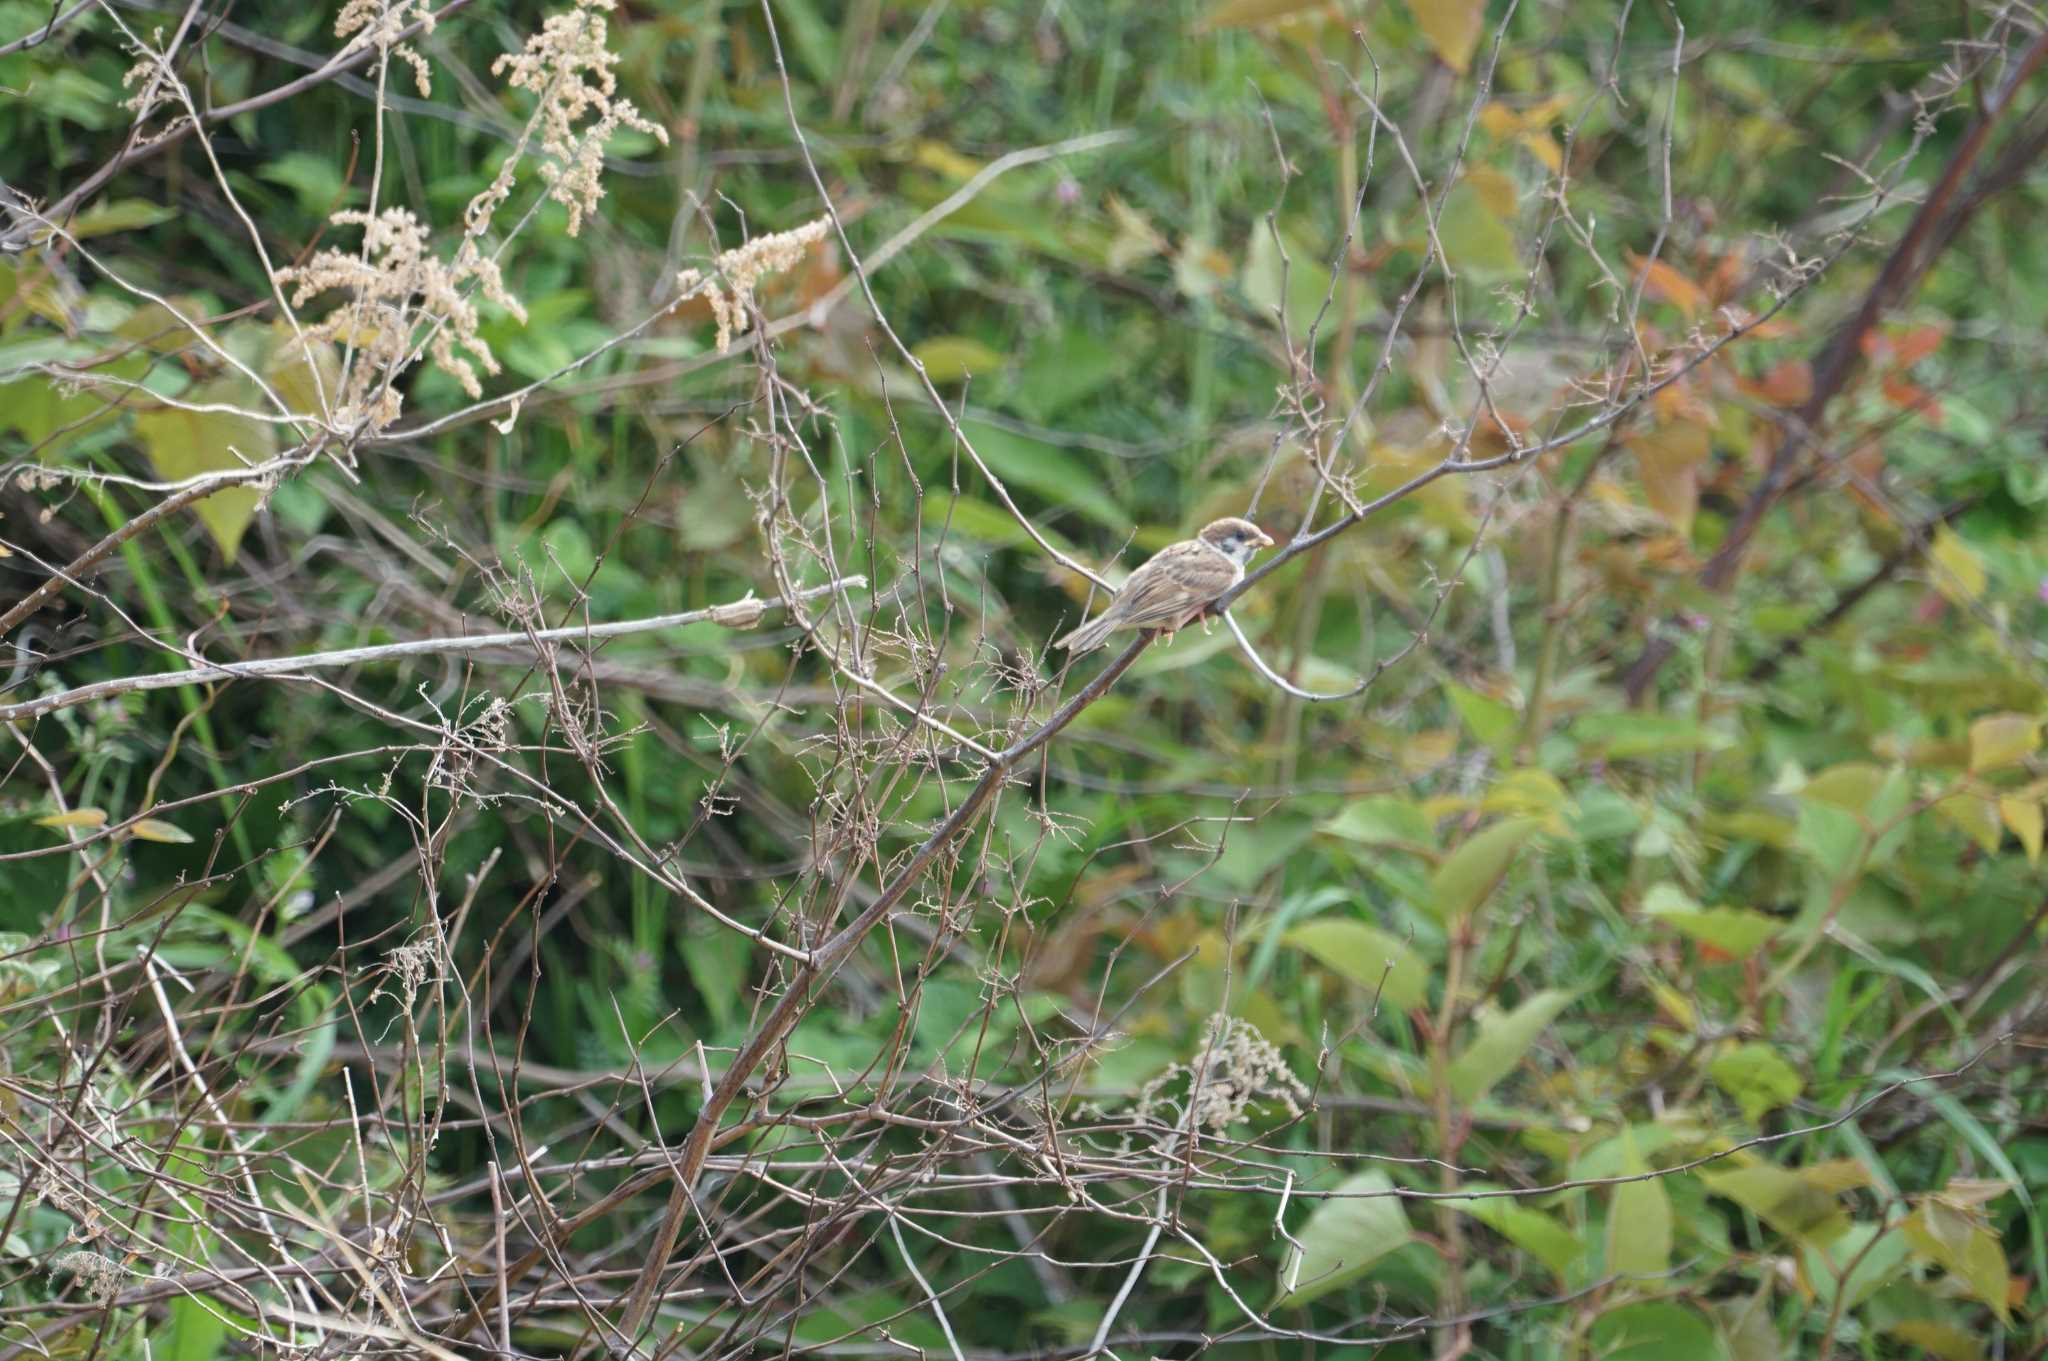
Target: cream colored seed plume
(568,65)
(730,286)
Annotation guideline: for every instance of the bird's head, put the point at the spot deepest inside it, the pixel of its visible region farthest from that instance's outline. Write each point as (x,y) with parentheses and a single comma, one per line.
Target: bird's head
(1235,539)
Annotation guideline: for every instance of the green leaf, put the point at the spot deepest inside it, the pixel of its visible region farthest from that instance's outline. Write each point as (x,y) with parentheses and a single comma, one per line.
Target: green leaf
(1345,1235)
(1735,931)
(1532,793)
(1638,1219)
(21,973)
(1366,956)
(948,359)
(1854,1265)
(1383,820)
(1266,270)
(1627,736)
(1489,720)
(1534,1232)
(1758,1077)
(1832,836)
(120,215)
(1502,1041)
(1067,368)
(1791,1204)
(812,38)
(44,412)
(194,1333)
(1475,869)
(717,962)
(1475,238)
(982,522)
(316,180)
(1658,1330)
(1046,469)
(1256,13)
(1746,1327)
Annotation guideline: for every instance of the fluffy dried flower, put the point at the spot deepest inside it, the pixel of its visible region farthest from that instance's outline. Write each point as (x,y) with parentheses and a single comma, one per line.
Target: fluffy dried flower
(730,284)
(1243,1067)
(152,74)
(568,65)
(100,1277)
(380,24)
(397,283)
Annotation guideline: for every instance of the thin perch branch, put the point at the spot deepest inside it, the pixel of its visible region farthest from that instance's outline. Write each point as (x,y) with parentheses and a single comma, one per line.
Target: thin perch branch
(738,614)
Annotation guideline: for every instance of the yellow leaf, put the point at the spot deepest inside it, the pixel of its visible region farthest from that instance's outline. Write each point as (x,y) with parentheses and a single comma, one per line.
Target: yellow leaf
(154,829)
(1669,457)
(1999,740)
(1959,573)
(1500,120)
(303,376)
(948,359)
(1452,28)
(2024,817)
(1956,1239)
(1440,806)
(1837,1175)
(1938,1339)
(1675,1003)
(1428,749)
(1544,148)
(1495,189)
(77,817)
(1136,238)
(946,161)
(1975,816)
(185,443)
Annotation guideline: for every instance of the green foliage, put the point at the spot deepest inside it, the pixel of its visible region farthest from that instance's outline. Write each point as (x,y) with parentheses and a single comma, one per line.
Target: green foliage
(1662,912)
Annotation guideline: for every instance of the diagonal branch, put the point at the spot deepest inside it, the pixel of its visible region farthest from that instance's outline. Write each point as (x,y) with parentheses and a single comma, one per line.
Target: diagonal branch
(1933,227)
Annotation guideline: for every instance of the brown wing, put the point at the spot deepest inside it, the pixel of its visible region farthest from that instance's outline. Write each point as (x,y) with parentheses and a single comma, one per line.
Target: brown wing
(1175,582)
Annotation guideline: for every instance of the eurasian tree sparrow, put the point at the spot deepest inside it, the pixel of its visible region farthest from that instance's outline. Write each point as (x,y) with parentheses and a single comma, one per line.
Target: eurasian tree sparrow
(1176,584)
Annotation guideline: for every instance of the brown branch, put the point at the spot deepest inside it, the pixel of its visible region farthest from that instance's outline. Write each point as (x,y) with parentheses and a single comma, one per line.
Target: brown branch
(1915,545)
(200,487)
(1933,227)
(825,960)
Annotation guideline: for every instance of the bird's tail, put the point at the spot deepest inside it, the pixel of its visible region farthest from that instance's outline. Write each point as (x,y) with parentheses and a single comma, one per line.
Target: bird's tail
(1088,637)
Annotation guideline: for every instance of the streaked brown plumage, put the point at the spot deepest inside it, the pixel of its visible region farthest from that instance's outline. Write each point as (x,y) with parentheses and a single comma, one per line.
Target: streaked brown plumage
(1176,584)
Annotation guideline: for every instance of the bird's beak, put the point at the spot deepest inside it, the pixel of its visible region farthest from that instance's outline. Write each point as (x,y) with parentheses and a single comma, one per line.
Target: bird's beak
(1265,539)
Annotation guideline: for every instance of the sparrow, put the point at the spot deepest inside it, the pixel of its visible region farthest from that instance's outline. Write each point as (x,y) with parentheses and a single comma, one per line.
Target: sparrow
(1176,584)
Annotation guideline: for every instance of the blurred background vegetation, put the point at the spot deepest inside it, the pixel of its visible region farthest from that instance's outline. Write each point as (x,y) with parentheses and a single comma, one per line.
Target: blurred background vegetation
(1679,873)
